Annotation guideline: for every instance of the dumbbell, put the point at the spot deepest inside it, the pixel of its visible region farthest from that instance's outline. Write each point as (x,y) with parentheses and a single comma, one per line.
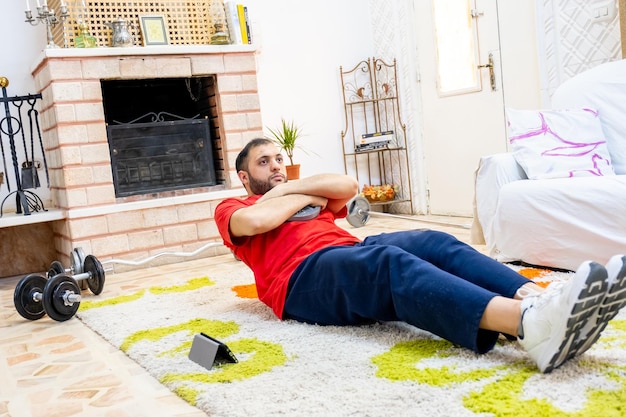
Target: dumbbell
(305,213)
(77,259)
(36,296)
(58,294)
(83,269)
(360,210)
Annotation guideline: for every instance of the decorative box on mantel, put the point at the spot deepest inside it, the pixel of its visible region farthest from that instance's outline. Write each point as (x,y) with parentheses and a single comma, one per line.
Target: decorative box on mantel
(188,22)
(224,81)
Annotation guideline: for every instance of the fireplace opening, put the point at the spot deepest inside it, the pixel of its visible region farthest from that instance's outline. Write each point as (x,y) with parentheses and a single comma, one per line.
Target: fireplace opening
(163,134)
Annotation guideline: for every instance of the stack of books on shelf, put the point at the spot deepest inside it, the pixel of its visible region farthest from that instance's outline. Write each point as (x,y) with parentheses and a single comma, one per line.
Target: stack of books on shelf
(238,23)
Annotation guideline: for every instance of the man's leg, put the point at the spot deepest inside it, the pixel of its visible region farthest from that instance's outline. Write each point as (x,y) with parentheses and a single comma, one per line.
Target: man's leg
(502,315)
(354,285)
(459,259)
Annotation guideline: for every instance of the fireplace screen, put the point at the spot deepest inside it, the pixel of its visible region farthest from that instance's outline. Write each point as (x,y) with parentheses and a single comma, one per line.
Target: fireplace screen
(160,156)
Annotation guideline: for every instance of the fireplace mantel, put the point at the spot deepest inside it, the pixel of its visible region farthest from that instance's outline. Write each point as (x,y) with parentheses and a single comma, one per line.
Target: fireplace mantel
(189,50)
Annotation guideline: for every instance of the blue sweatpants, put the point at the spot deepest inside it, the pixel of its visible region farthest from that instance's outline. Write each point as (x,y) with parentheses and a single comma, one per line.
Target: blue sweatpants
(426,278)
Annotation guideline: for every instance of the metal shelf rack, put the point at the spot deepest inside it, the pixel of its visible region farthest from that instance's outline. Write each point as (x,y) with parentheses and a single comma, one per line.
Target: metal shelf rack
(374,137)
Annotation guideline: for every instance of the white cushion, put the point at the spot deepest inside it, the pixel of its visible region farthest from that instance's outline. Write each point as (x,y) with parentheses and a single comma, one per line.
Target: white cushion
(558,143)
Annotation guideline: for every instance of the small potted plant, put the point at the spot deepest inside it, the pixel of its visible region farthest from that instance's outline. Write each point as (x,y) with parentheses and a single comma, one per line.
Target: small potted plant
(286,137)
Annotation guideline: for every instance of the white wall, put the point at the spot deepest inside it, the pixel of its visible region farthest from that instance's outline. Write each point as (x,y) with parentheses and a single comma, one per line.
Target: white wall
(20,43)
(519,55)
(300,45)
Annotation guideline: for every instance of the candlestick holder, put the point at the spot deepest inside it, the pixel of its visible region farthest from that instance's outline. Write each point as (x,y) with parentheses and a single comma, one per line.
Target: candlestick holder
(48,17)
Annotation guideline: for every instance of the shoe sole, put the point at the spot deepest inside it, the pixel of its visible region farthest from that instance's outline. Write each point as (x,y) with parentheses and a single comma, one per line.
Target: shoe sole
(614,301)
(586,305)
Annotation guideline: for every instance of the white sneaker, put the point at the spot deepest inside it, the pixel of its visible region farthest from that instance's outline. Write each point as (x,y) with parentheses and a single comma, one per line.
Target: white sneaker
(612,303)
(552,321)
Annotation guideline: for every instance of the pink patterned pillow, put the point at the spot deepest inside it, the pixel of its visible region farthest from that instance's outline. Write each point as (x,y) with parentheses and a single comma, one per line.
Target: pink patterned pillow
(558,143)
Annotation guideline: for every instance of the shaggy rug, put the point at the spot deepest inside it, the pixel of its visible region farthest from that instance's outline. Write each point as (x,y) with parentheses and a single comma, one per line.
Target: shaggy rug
(293,369)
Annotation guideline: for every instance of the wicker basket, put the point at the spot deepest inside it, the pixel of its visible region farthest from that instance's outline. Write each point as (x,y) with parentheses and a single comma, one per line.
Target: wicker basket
(379,193)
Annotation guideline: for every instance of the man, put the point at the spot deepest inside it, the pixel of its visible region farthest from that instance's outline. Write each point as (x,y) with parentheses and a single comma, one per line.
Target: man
(316,272)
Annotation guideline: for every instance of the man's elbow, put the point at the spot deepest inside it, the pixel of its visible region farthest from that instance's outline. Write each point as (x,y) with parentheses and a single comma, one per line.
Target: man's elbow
(351,186)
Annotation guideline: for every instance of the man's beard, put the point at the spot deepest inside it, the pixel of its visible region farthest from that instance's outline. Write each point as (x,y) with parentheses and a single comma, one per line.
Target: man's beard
(260,187)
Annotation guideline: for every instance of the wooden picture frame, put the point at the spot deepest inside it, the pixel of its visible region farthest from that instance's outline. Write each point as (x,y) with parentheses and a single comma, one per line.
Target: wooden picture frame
(153,29)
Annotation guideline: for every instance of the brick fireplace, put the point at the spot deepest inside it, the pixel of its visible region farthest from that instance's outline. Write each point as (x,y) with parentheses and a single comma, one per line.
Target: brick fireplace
(75,137)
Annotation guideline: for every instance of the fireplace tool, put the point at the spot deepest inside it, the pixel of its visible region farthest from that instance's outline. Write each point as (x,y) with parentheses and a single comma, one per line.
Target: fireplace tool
(30,176)
(26,201)
(29,168)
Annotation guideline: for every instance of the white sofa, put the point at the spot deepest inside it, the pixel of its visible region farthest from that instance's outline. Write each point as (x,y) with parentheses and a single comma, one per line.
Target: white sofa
(560,222)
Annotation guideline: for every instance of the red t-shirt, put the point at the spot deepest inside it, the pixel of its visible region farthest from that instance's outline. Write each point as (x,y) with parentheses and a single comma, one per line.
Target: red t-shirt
(274,255)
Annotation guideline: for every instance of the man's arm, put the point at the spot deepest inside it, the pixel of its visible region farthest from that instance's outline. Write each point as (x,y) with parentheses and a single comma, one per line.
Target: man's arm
(337,188)
(330,191)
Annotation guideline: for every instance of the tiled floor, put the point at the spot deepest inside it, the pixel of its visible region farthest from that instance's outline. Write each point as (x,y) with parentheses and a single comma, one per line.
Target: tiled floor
(58,369)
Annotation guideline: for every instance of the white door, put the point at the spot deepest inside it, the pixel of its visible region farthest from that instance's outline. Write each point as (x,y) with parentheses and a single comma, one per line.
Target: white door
(461,95)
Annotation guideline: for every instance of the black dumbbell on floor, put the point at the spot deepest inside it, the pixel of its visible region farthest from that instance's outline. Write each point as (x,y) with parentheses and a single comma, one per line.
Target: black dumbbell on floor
(83,269)
(58,295)
(35,296)
(77,259)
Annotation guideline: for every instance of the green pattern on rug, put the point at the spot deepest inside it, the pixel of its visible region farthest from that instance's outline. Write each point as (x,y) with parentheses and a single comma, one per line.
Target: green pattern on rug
(191,285)
(264,357)
(505,397)
(398,364)
(260,356)
(191,327)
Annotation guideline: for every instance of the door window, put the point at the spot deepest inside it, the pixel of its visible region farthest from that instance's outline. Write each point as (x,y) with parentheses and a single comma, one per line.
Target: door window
(457,47)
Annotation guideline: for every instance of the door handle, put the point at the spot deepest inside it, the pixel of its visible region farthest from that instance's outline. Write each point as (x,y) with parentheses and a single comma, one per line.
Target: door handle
(492,72)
